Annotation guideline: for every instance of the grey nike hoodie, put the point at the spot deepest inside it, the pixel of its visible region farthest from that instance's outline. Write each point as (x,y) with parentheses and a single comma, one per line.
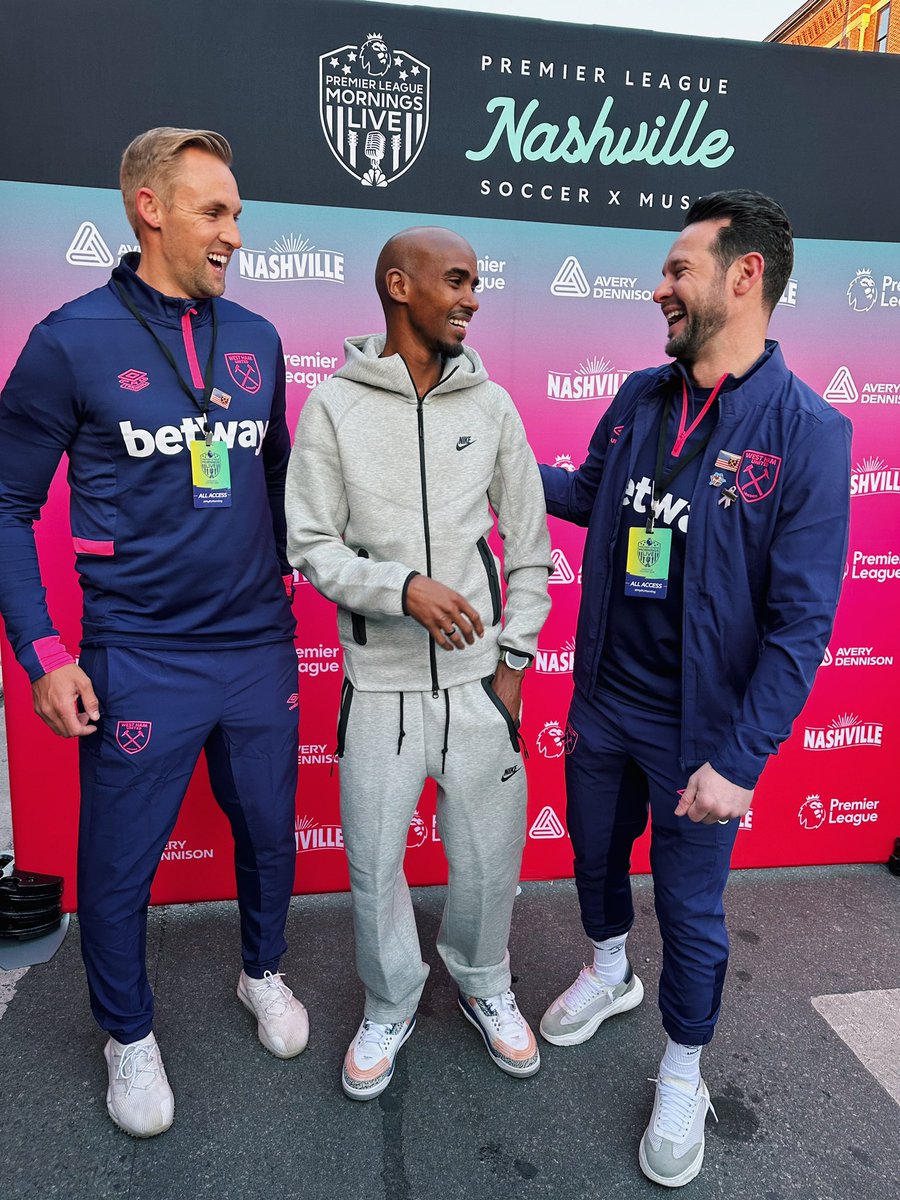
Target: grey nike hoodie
(382,485)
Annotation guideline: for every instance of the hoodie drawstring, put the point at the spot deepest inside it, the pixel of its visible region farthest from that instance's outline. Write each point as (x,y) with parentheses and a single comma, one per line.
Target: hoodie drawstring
(446,729)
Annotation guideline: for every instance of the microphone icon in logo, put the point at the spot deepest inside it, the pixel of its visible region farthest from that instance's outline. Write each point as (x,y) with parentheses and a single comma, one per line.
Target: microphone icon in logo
(375,143)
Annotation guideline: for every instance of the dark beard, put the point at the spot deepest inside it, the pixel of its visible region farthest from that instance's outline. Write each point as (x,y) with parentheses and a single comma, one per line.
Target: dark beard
(699,328)
(451,349)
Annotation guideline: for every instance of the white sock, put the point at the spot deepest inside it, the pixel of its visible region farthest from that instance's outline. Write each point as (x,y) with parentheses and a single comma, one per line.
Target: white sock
(681,1062)
(610,960)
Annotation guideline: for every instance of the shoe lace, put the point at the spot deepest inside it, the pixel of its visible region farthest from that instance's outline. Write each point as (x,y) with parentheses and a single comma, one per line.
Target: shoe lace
(582,991)
(137,1061)
(677,1108)
(373,1033)
(504,1013)
(274,995)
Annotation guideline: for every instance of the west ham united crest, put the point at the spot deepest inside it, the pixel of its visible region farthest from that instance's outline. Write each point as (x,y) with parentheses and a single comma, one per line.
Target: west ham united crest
(373,102)
(757,475)
(244,370)
(133,736)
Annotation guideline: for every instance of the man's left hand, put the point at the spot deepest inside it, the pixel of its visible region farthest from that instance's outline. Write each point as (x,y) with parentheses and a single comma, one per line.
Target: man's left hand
(507,685)
(710,797)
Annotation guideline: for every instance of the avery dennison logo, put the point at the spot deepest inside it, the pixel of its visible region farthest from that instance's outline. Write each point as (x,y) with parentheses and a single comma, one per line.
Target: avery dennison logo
(88,248)
(179,851)
(547,825)
(291,259)
(844,732)
(172,439)
(856,656)
(872,477)
(593,379)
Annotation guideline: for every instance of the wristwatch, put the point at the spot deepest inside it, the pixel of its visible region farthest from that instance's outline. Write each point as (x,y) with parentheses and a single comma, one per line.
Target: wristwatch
(515,661)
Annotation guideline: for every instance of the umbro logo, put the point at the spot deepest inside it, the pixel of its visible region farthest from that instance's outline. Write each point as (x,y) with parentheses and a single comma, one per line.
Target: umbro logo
(133,380)
(463,442)
(508,774)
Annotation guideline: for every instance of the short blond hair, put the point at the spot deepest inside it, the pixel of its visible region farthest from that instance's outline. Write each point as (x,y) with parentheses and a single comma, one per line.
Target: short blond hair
(151,161)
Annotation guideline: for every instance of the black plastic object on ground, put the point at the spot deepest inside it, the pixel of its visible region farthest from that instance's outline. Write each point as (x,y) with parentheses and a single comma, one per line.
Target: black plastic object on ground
(893,863)
(30,904)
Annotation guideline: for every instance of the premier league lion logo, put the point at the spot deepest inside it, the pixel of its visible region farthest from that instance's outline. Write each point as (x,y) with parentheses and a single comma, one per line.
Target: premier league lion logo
(374,56)
(551,740)
(418,832)
(812,813)
(863,291)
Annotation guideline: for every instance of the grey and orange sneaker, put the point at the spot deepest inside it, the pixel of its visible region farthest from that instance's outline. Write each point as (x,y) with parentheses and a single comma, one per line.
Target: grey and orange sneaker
(369,1061)
(579,1012)
(506,1033)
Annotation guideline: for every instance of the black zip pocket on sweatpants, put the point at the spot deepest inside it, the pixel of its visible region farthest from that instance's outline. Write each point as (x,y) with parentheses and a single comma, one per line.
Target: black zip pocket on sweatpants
(358,622)
(493,582)
(344,716)
(511,725)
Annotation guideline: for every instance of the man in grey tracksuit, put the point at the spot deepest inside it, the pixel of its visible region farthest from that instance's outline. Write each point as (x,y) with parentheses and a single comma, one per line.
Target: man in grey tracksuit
(397,463)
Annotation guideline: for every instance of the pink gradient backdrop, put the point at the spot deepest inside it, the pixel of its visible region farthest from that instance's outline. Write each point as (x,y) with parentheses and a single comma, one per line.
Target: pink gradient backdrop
(526,334)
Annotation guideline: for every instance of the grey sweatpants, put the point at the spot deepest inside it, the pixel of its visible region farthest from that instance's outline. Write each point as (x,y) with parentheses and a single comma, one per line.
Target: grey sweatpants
(481,798)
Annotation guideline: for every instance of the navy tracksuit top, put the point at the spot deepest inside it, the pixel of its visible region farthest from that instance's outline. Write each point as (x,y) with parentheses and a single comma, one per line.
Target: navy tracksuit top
(93,384)
(762,576)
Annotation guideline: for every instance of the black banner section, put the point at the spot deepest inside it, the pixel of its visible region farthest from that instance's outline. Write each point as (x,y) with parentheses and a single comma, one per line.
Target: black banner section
(377,106)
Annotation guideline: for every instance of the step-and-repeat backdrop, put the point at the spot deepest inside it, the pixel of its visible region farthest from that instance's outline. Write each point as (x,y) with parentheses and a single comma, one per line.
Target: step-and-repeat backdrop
(566,156)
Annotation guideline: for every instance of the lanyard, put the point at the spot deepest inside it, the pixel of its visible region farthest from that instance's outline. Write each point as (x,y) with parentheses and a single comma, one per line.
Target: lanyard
(202,405)
(680,439)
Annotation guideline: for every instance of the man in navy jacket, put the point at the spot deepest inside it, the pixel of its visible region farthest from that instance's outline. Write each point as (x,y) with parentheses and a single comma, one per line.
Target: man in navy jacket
(169,404)
(695,650)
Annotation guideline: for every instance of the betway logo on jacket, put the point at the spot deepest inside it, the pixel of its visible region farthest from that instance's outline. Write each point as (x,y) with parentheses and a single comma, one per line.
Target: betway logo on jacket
(172,439)
(668,508)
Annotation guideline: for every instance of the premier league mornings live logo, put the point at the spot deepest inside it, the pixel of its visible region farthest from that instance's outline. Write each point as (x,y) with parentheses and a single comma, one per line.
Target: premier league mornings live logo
(374,103)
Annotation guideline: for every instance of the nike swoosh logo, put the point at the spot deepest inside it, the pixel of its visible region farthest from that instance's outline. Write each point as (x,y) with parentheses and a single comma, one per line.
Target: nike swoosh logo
(463,442)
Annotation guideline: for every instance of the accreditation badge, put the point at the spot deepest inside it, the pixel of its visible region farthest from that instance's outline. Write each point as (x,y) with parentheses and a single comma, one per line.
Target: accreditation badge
(647,564)
(211,474)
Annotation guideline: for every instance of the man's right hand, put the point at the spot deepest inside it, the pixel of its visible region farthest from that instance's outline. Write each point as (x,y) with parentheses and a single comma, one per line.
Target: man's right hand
(449,617)
(56,697)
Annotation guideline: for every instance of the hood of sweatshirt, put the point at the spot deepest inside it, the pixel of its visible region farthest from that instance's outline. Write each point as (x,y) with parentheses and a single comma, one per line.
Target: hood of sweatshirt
(391,374)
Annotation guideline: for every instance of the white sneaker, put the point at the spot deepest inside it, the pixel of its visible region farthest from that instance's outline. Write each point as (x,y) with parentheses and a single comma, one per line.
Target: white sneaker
(369,1061)
(282,1023)
(579,1012)
(506,1033)
(671,1151)
(138,1098)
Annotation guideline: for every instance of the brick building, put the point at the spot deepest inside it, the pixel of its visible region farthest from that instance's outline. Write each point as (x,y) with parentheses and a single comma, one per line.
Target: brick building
(872,25)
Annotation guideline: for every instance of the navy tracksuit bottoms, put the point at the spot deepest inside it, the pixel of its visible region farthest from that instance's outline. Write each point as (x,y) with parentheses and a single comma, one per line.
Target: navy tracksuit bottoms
(622,764)
(159,709)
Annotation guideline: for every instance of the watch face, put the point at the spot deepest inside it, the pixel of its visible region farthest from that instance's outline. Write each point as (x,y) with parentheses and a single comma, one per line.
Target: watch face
(516,662)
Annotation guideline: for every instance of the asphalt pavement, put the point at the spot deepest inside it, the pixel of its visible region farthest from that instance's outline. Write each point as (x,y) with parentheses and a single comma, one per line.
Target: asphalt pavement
(801,1113)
